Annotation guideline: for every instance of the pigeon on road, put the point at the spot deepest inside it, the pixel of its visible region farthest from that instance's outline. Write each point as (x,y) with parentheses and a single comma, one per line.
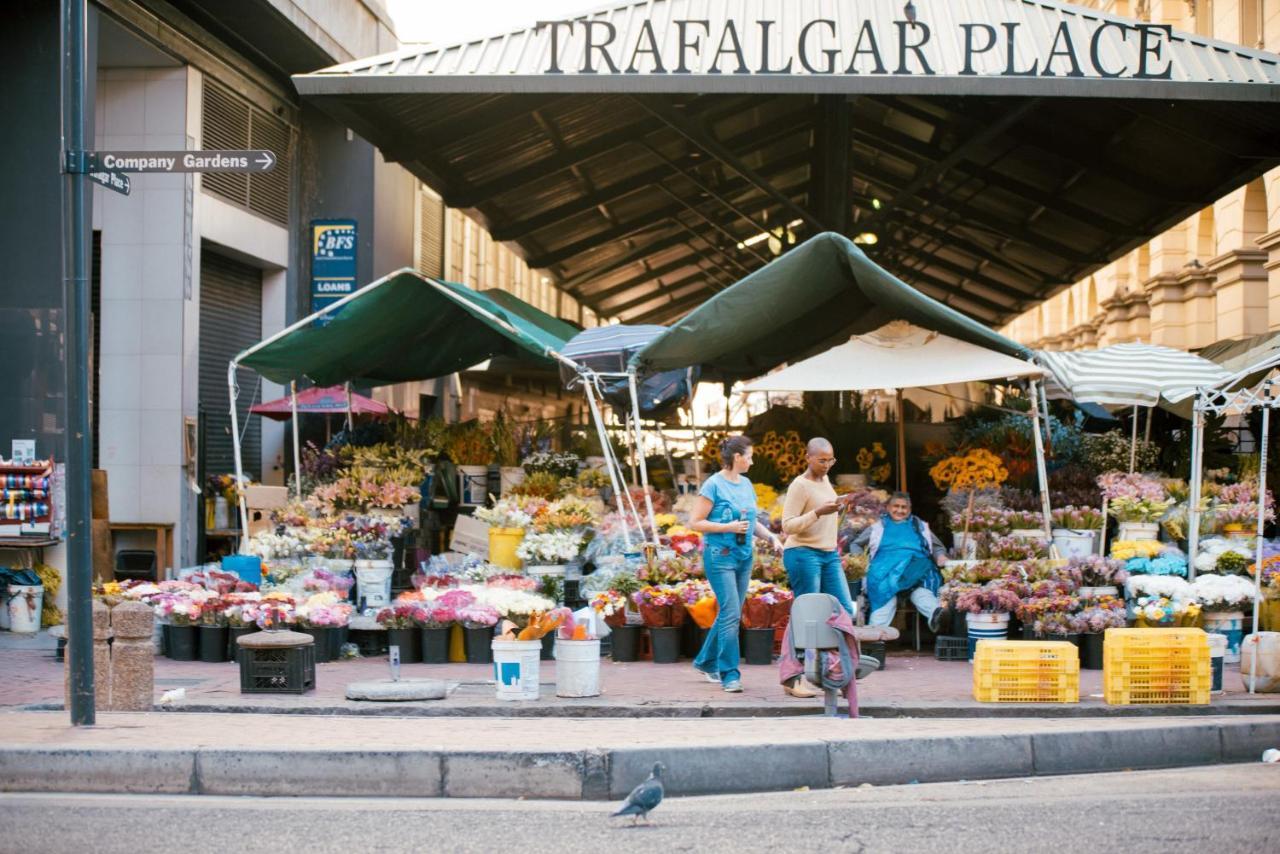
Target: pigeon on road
(645,797)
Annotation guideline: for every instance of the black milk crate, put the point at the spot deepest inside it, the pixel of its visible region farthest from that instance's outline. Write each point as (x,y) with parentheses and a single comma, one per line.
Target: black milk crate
(951,648)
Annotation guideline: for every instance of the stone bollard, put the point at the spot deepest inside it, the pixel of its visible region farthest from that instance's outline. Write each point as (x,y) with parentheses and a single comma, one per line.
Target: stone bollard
(101,660)
(132,658)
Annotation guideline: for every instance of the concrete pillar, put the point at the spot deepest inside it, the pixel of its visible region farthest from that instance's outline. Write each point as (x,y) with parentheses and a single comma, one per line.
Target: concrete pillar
(1240,288)
(1199,306)
(1270,244)
(1165,298)
(101,660)
(132,657)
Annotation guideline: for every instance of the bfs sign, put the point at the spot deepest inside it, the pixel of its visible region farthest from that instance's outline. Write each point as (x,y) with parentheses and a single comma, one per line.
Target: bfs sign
(1071,46)
(333,261)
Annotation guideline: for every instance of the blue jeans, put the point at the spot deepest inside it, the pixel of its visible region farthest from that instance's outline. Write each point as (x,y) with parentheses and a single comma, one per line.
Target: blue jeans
(812,570)
(728,576)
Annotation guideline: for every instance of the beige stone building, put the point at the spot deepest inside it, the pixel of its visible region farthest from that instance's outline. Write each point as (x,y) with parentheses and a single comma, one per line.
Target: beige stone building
(1213,276)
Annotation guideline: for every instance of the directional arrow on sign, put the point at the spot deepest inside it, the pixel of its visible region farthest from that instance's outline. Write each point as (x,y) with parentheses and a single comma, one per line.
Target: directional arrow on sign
(209,160)
(266,160)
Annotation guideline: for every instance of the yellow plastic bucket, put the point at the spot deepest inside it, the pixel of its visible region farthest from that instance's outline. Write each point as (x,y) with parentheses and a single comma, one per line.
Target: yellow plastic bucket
(503,543)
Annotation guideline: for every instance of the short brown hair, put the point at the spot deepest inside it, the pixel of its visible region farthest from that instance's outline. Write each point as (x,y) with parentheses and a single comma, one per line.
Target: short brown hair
(731,447)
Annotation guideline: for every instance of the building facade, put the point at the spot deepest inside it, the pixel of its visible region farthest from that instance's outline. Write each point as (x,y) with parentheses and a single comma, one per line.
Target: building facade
(1212,277)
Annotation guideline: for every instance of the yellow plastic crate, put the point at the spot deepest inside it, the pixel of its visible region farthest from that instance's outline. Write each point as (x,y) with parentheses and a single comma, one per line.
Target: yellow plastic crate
(1026,672)
(1156,666)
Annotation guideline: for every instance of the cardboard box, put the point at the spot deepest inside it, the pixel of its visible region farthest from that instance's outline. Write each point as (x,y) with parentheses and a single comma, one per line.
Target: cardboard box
(101,509)
(104,559)
(470,536)
(266,497)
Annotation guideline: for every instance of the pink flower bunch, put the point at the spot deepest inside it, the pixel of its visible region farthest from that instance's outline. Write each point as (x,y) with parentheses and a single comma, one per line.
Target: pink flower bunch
(695,590)
(512,582)
(322,616)
(1138,487)
(439,616)
(994,596)
(1106,613)
(658,595)
(323,581)
(422,580)
(1099,571)
(478,616)
(454,599)
(400,616)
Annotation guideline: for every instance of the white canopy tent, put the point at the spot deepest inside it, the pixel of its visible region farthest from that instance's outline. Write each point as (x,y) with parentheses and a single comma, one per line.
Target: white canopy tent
(902,355)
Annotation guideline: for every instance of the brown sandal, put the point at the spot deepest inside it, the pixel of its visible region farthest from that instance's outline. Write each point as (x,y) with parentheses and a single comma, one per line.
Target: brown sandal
(797,688)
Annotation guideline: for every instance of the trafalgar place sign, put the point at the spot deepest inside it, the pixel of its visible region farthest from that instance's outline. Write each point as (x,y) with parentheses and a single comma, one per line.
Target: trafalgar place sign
(1072,46)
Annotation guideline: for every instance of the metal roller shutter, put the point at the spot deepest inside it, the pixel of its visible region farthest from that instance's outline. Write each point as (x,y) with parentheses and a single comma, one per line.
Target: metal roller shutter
(230,321)
(430,254)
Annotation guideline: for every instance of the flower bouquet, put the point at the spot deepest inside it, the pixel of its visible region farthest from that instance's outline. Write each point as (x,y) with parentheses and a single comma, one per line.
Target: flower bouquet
(1134,498)
(978,469)
(1098,571)
(700,602)
(994,597)
(1159,611)
(767,567)
(1077,519)
(667,570)
(1012,548)
(1219,593)
(1024,520)
(478,616)
(400,616)
(683,541)
(854,566)
(976,573)
(518,606)
(1129,549)
(660,606)
(506,512)
(550,547)
(1237,507)
(558,465)
(1101,614)
(767,606)
(611,606)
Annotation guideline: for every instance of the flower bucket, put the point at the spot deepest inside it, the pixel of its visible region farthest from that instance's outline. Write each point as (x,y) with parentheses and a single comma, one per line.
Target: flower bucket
(373,577)
(1265,645)
(516,668)
(965,545)
(986,625)
(666,644)
(323,647)
(221,513)
(1091,647)
(503,543)
(1241,536)
(1229,624)
(474,482)
(625,643)
(577,668)
(408,641)
(1098,592)
(183,643)
(435,645)
(556,570)
(23,607)
(1217,654)
(477,641)
(234,633)
(213,644)
(1071,543)
(757,646)
(1138,531)
(1029,534)
(510,477)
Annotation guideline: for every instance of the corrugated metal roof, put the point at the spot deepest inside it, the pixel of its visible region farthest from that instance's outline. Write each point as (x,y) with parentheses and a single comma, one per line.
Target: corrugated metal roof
(1101,44)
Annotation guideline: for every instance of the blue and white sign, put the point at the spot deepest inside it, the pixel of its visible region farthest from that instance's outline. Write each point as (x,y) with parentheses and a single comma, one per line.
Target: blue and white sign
(333,261)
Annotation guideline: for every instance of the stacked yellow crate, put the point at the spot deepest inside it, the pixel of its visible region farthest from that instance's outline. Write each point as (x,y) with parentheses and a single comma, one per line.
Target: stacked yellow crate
(1026,672)
(1147,666)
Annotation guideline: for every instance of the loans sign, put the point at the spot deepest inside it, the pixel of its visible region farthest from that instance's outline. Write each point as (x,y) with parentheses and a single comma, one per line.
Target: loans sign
(1068,46)
(333,263)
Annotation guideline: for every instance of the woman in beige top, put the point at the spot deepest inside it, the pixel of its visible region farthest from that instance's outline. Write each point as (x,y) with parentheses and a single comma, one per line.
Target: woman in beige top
(810,522)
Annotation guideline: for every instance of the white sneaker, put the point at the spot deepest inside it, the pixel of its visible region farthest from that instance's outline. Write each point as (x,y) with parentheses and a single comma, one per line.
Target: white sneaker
(734,687)
(713,678)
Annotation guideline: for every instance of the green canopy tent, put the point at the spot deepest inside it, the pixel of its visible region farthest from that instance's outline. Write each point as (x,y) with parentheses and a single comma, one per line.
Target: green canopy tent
(404,327)
(817,295)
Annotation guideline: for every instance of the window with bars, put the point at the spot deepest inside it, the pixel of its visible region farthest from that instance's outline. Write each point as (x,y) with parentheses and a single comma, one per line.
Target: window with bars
(230,122)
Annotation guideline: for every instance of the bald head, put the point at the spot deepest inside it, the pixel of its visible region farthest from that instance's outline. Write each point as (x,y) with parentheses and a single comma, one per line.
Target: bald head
(818,446)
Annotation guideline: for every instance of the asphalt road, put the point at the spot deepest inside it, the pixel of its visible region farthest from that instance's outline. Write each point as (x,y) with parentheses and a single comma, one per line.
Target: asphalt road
(1223,809)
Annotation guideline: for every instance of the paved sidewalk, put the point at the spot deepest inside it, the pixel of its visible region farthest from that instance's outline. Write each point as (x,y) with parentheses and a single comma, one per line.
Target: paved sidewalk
(583,759)
(915,685)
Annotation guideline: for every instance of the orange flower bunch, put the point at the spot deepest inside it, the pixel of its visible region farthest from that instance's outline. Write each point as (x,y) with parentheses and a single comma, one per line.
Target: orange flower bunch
(978,469)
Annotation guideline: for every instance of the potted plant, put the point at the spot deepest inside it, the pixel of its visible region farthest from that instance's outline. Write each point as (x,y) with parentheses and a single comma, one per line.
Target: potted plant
(477,622)
(767,607)
(402,622)
(1074,530)
(213,630)
(1099,576)
(1098,615)
(662,610)
(507,520)
(1137,502)
(1222,599)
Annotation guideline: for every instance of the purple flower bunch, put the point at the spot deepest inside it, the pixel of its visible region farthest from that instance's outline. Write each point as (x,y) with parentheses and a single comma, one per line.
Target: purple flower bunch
(1138,487)
(1099,571)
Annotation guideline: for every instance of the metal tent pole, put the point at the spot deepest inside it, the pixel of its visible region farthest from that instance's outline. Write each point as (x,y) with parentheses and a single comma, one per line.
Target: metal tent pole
(1196,479)
(644,466)
(233,393)
(1042,474)
(1133,442)
(350,420)
(902,444)
(1262,514)
(76,301)
(297,455)
(693,429)
(609,460)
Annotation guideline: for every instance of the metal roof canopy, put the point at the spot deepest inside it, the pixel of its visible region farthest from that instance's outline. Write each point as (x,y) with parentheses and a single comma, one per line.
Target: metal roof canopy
(635,161)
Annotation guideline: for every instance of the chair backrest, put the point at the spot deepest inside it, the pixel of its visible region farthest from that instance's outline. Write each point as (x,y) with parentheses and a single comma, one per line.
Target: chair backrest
(809,615)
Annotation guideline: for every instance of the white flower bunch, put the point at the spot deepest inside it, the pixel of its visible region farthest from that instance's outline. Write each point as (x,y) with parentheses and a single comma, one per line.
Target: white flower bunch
(1168,586)
(1210,549)
(505,513)
(269,545)
(550,547)
(512,602)
(1222,592)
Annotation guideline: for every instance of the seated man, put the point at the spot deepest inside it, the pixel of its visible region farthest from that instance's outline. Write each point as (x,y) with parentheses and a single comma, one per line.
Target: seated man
(905,555)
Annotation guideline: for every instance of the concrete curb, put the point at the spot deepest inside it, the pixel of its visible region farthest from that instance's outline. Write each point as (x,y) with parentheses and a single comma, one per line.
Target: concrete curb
(602,774)
(972,710)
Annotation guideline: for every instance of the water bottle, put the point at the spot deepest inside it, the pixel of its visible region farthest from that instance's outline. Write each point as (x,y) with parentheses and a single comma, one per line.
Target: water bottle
(741,539)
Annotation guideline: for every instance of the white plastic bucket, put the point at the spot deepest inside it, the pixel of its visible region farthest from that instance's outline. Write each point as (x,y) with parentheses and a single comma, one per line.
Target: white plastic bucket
(24,607)
(986,625)
(1098,592)
(1029,534)
(1230,625)
(373,578)
(577,668)
(966,546)
(516,670)
(475,484)
(1266,645)
(4,611)
(1139,531)
(1217,652)
(1072,543)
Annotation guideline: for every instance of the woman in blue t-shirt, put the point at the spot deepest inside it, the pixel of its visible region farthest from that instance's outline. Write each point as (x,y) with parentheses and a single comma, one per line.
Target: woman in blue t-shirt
(725,515)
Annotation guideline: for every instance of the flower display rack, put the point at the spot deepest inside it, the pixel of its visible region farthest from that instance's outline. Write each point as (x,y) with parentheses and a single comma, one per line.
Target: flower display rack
(1156,666)
(1026,672)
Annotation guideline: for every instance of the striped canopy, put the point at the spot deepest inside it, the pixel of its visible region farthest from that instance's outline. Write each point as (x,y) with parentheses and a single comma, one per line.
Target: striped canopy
(1128,375)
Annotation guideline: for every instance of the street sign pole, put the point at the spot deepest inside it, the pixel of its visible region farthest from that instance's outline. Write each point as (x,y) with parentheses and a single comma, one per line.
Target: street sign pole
(76,226)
